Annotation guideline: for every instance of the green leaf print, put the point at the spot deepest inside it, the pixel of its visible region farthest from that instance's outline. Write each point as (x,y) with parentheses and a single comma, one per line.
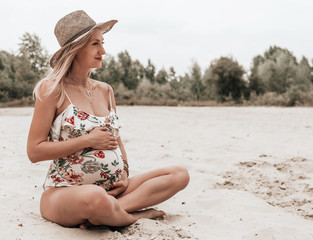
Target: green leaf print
(113,178)
(115,163)
(61,162)
(86,150)
(93,119)
(104,166)
(82,126)
(67,167)
(100,181)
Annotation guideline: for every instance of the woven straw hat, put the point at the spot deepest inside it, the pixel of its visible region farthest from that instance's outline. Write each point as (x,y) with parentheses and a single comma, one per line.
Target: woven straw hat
(73,27)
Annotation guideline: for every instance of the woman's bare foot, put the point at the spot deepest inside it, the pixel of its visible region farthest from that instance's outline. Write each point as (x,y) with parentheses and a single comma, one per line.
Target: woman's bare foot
(150,213)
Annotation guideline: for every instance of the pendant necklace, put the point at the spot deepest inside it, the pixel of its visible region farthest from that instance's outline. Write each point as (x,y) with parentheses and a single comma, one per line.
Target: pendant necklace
(87,94)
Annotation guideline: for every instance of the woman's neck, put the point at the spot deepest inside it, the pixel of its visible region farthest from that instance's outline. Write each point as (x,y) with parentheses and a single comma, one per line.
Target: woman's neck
(77,80)
(79,76)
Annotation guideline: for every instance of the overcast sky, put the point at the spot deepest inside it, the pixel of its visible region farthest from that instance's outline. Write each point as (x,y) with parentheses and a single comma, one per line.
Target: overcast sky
(173,32)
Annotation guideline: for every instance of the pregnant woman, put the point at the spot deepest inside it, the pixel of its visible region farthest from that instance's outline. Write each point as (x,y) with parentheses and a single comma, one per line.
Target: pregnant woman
(76,126)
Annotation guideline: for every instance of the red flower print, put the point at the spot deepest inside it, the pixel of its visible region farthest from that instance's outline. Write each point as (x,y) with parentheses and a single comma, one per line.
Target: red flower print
(72,178)
(82,115)
(75,159)
(61,139)
(108,121)
(99,154)
(70,120)
(102,174)
(56,179)
(118,171)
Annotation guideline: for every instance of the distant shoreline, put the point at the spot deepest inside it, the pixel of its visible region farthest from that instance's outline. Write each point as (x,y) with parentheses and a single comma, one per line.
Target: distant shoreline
(30,103)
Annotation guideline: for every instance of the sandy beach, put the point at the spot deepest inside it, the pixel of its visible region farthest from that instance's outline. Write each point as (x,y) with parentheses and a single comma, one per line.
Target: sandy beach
(251,174)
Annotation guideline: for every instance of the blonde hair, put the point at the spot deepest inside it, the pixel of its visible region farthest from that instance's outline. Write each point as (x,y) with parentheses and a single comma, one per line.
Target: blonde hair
(61,70)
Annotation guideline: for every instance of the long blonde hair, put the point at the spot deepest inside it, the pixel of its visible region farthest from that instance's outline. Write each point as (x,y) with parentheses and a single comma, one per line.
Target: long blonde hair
(62,70)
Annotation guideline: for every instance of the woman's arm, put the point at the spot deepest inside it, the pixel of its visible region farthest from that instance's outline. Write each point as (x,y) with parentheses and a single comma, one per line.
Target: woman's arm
(39,149)
(119,139)
(120,186)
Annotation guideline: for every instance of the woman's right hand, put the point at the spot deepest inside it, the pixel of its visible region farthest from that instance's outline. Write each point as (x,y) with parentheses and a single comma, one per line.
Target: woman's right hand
(102,138)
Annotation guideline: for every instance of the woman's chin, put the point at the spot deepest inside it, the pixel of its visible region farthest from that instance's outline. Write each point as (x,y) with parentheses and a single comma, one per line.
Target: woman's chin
(99,65)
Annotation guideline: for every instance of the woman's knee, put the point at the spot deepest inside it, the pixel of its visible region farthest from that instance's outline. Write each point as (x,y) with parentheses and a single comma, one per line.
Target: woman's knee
(181,176)
(97,200)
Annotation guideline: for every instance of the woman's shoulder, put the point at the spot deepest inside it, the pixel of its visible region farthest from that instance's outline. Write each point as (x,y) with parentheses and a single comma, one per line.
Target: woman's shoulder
(47,89)
(103,86)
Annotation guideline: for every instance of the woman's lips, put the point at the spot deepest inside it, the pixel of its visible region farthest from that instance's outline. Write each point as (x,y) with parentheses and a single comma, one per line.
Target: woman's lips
(99,59)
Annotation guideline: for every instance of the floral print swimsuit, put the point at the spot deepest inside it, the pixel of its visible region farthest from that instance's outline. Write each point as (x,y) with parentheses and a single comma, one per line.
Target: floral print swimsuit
(88,166)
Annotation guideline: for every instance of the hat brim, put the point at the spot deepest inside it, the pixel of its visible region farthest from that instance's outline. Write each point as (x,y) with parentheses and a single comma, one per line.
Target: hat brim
(105,27)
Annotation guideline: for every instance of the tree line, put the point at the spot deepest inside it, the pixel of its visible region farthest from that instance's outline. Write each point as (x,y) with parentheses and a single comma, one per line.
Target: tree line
(274,78)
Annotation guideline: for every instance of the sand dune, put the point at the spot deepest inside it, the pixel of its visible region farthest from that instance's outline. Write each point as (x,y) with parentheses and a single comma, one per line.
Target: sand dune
(251,174)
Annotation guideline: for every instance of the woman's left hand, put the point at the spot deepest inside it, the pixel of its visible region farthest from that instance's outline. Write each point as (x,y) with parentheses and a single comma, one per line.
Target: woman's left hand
(120,186)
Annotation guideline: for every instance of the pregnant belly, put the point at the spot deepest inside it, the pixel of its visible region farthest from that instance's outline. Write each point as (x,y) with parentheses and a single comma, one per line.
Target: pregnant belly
(100,167)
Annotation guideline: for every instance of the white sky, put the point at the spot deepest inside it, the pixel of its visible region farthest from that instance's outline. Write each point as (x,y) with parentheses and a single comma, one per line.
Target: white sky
(173,32)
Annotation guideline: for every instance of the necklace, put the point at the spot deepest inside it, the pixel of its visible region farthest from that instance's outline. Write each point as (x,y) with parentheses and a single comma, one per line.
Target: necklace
(87,93)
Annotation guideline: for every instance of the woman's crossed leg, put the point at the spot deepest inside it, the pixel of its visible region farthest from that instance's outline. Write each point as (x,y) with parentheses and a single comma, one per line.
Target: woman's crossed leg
(71,206)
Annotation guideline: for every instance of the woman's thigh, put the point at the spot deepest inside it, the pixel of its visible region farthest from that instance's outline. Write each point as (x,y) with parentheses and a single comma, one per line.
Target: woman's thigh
(69,206)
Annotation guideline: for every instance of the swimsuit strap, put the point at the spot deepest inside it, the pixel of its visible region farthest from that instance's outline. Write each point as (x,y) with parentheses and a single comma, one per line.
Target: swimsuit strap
(110,98)
(67,97)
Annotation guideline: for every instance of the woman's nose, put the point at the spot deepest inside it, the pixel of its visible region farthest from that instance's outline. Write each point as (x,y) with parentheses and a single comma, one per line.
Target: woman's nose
(102,51)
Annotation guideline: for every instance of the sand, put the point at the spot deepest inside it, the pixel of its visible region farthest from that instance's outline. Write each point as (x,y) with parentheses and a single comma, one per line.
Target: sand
(251,174)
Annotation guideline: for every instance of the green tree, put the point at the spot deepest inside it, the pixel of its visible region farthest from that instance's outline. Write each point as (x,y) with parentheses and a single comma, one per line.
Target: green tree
(278,70)
(172,74)
(131,71)
(303,75)
(184,92)
(173,79)
(109,72)
(255,81)
(30,47)
(25,78)
(162,77)
(150,71)
(5,73)
(227,76)
(312,71)
(197,87)
(17,78)
(209,83)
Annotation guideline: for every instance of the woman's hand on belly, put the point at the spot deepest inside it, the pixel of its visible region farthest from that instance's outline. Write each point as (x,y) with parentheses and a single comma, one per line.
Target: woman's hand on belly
(120,186)
(101,138)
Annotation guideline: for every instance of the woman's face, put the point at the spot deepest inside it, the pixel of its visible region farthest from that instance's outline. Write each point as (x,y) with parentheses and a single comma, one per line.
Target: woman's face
(90,56)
